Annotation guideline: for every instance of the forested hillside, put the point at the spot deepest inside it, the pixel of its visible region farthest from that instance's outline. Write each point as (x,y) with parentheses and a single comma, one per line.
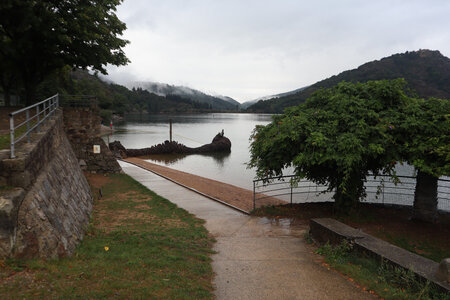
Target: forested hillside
(117,99)
(427,73)
(163,89)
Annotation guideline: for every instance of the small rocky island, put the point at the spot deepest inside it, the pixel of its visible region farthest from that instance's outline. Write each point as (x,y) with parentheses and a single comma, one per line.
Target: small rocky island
(219,144)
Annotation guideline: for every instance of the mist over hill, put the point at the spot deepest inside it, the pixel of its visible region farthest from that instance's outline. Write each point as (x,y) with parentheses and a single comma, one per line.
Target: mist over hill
(247,104)
(164,89)
(427,73)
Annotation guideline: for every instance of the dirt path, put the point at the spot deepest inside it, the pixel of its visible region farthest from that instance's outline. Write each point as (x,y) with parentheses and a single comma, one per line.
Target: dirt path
(233,195)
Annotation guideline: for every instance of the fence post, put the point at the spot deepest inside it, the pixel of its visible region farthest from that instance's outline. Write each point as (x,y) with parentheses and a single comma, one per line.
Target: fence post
(11,128)
(170,130)
(38,128)
(254,190)
(28,125)
(291,193)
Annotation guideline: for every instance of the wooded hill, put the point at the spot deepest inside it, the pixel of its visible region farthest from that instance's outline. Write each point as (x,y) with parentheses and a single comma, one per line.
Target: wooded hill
(164,89)
(427,73)
(117,99)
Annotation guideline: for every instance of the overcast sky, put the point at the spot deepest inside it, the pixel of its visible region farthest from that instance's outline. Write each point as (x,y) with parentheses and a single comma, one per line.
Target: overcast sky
(246,49)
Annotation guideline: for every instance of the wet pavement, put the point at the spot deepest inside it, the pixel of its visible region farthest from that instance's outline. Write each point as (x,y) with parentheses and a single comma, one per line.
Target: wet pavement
(257,258)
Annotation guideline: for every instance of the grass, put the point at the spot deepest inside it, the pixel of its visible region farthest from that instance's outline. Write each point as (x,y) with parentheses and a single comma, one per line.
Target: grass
(424,248)
(138,245)
(386,281)
(5,139)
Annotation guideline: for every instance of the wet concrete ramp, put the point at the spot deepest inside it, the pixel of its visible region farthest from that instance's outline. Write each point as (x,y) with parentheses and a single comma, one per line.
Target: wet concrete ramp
(256,258)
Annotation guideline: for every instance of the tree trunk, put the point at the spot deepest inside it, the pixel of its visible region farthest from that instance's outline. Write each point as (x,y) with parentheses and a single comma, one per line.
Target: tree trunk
(346,201)
(425,198)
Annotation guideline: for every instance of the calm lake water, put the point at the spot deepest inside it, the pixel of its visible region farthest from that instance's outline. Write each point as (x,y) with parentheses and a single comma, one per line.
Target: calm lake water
(194,130)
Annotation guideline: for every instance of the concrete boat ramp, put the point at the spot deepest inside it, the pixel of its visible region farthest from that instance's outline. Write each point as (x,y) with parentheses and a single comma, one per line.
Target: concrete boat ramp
(256,258)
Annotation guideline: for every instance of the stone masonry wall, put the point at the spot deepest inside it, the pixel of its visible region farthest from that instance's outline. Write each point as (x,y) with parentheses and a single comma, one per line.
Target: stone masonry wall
(82,125)
(54,213)
(46,201)
(31,157)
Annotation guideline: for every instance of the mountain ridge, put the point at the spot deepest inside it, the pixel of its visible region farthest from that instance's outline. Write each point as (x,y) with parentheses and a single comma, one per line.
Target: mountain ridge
(426,71)
(247,104)
(165,89)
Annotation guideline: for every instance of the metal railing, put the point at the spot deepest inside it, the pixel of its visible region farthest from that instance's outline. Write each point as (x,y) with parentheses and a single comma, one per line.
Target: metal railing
(380,189)
(35,115)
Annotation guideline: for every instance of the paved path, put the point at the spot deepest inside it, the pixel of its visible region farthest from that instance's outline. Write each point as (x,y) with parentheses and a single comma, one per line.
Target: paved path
(256,258)
(231,194)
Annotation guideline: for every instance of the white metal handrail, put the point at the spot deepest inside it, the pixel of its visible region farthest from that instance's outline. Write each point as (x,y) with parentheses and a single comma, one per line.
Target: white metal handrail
(43,110)
(402,193)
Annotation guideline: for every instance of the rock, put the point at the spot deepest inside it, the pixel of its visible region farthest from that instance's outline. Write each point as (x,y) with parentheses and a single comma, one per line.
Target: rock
(218,144)
(443,273)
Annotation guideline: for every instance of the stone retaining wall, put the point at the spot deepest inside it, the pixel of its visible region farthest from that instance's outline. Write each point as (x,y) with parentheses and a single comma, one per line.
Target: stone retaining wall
(31,157)
(45,200)
(53,215)
(329,230)
(82,125)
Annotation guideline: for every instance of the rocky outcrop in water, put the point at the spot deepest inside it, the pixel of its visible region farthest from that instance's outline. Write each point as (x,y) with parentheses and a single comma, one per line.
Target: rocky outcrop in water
(219,144)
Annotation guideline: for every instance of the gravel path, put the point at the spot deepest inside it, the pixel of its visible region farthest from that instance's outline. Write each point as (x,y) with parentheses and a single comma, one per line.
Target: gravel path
(233,195)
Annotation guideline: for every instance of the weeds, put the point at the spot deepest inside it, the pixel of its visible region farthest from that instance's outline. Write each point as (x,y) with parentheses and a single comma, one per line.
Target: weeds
(308,237)
(389,282)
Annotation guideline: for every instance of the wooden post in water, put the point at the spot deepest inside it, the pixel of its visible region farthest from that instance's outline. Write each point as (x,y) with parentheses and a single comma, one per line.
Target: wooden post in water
(170,130)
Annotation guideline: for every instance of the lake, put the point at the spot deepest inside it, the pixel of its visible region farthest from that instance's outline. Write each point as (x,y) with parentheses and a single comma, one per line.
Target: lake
(194,130)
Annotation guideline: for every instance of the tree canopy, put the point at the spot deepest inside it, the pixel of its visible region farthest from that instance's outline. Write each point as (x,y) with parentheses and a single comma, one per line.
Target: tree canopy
(39,37)
(341,134)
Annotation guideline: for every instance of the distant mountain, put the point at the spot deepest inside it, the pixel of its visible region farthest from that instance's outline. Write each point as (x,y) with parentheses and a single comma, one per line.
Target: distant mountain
(427,73)
(247,104)
(164,89)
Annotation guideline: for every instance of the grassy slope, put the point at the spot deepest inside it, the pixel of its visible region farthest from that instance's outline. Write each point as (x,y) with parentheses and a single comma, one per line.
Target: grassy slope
(138,245)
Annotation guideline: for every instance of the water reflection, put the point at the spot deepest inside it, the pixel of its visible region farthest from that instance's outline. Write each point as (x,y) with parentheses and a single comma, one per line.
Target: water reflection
(194,118)
(193,130)
(219,158)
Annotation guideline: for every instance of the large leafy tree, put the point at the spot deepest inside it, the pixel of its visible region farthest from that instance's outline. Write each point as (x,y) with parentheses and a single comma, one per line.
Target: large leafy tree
(335,138)
(39,37)
(341,135)
(425,130)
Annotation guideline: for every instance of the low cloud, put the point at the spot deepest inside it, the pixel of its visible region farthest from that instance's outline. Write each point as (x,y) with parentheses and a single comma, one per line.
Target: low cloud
(249,49)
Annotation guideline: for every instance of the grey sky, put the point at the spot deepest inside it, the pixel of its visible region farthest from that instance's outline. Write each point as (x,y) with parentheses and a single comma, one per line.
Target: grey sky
(247,49)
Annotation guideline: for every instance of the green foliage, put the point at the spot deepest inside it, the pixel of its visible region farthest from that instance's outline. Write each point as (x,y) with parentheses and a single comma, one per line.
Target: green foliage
(114,98)
(341,134)
(425,130)
(336,253)
(335,138)
(39,37)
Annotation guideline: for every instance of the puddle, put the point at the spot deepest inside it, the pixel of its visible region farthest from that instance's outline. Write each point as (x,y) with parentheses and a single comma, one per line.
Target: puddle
(283,226)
